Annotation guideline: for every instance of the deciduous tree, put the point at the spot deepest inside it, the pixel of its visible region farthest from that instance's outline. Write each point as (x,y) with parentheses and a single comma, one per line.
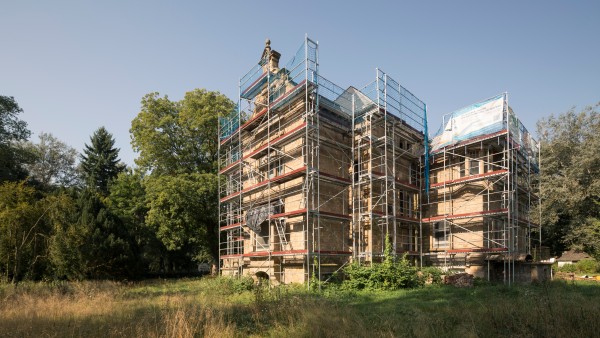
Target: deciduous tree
(179,136)
(570,180)
(53,162)
(183,213)
(27,223)
(12,131)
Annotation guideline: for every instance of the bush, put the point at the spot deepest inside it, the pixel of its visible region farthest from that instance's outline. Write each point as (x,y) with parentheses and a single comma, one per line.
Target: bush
(583,266)
(227,285)
(568,268)
(394,273)
(389,275)
(433,274)
(242,284)
(588,266)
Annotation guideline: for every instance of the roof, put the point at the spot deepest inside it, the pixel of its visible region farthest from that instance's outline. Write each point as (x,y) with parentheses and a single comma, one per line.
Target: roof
(573,256)
(347,104)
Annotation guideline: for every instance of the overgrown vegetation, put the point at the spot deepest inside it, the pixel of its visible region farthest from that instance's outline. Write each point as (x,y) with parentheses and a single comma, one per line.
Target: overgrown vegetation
(223,307)
(100,220)
(395,272)
(588,266)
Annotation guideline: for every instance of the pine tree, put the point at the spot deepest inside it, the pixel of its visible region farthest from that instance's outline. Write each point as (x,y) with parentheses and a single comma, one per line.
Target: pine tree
(100,160)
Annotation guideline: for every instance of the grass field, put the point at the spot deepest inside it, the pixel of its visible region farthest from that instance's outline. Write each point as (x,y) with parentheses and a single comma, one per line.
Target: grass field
(213,307)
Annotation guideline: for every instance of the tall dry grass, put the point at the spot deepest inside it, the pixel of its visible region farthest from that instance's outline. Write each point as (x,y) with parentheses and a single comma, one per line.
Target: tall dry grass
(212,308)
(101,309)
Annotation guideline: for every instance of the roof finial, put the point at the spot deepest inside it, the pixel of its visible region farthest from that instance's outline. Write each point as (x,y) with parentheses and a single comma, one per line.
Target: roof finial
(267,43)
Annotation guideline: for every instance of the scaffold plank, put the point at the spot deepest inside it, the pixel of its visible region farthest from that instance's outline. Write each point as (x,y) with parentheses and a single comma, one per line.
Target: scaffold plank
(259,151)
(470,178)
(466,215)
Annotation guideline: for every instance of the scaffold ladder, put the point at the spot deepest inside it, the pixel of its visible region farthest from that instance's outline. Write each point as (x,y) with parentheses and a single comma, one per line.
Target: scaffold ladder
(280,227)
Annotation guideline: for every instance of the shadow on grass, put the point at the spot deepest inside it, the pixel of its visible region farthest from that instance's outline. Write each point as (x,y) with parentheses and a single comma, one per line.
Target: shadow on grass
(544,310)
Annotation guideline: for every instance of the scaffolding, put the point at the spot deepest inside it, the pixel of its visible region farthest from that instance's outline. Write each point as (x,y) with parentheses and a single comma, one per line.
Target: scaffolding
(284,206)
(314,176)
(297,158)
(388,144)
(483,192)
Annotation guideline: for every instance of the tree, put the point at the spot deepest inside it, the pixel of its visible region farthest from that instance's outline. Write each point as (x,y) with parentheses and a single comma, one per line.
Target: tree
(12,131)
(127,201)
(179,136)
(570,180)
(27,221)
(100,161)
(19,228)
(182,212)
(54,162)
(177,145)
(67,243)
(107,248)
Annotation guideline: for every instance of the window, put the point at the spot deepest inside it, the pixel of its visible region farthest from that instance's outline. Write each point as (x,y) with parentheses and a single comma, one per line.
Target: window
(495,235)
(262,237)
(440,235)
(473,162)
(462,170)
(402,211)
(276,168)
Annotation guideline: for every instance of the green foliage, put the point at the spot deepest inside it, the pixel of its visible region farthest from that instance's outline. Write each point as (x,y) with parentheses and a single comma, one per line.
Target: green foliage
(174,137)
(392,274)
(127,201)
(66,240)
(432,274)
(28,224)
(589,266)
(12,131)
(20,230)
(182,212)
(127,198)
(11,128)
(108,250)
(100,161)
(241,284)
(568,268)
(570,180)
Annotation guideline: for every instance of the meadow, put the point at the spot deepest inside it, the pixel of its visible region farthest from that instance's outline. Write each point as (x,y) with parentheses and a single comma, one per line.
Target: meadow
(220,307)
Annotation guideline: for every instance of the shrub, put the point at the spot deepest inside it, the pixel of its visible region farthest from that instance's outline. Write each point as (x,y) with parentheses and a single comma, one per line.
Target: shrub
(583,266)
(587,266)
(568,268)
(393,273)
(241,284)
(227,285)
(433,274)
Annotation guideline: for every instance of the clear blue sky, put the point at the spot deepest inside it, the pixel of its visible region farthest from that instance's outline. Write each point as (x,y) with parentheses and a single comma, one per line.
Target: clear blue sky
(74,66)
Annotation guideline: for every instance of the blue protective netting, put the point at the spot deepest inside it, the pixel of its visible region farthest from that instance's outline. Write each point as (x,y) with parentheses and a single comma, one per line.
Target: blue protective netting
(229,124)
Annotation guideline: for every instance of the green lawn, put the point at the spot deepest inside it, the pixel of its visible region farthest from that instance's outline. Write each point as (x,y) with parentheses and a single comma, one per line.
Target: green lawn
(217,307)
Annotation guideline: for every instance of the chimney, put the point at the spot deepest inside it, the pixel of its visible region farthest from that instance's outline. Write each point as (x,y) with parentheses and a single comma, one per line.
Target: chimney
(270,58)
